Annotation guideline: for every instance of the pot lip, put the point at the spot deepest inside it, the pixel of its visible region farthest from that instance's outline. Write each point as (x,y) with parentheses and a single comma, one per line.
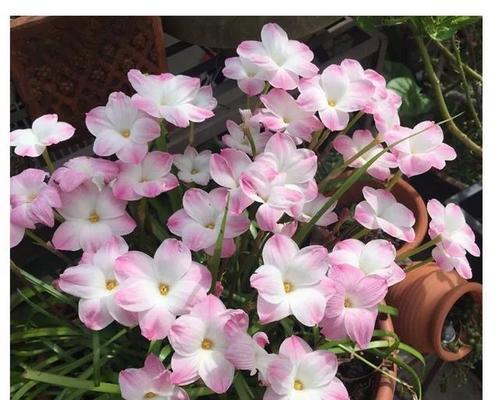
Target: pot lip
(441,312)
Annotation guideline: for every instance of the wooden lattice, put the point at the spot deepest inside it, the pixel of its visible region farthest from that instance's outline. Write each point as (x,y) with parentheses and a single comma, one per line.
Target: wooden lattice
(68,65)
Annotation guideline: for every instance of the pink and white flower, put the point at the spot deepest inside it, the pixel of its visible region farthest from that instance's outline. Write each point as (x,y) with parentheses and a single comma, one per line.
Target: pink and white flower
(160,288)
(237,139)
(311,208)
(291,281)
(81,169)
(282,59)
(282,114)
(193,166)
(200,344)
(334,95)
(361,138)
(92,217)
(16,233)
(152,381)
(251,78)
(448,263)
(449,222)
(32,200)
(199,222)
(45,131)
(225,169)
(121,129)
(380,210)
(421,152)
(95,283)
(352,308)
(177,98)
(149,178)
(301,373)
(373,258)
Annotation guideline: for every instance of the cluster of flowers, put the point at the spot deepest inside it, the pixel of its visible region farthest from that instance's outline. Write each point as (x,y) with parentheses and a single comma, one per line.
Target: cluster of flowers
(266,164)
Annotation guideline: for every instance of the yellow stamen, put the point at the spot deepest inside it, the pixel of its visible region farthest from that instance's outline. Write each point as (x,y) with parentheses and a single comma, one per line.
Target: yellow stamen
(347,303)
(332,103)
(287,286)
(207,344)
(94,218)
(210,226)
(125,133)
(150,395)
(111,284)
(298,385)
(164,289)
(194,171)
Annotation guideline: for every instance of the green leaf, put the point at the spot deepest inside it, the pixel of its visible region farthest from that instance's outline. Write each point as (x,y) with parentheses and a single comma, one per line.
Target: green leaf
(37,333)
(392,70)
(414,352)
(444,27)
(414,102)
(384,308)
(65,381)
(215,260)
(242,388)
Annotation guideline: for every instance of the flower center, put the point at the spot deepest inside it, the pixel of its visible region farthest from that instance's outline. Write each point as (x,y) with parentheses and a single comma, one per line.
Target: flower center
(332,103)
(347,303)
(298,385)
(207,344)
(126,133)
(194,171)
(111,284)
(164,289)
(287,286)
(210,226)
(32,197)
(150,395)
(94,218)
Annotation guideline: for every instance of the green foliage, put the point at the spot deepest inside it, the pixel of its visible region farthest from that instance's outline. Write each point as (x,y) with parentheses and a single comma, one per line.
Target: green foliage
(414,102)
(444,27)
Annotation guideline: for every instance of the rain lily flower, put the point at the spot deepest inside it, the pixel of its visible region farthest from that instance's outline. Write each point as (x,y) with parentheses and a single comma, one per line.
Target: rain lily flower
(45,131)
(283,114)
(16,233)
(193,166)
(92,216)
(199,222)
(361,138)
(291,281)
(225,169)
(380,210)
(351,311)
(81,169)
(237,139)
(301,373)
(373,258)
(251,78)
(160,288)
(177,98)
(200,344)
(421,152)
(456,236)
(95,282)
(149,178)
(311,208)
(283,60)
(448,263)
(334,95)
(32,200)
(268,217)
(121,129)
(152,381)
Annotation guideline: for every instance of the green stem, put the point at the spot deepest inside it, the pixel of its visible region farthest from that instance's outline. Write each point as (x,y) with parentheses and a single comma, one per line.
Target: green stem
(418,265)
(395,178)
(443,109)
(465,84)
(96,358)
(409,253)
(161,141)
(249,137)
(214,262)
(48,161)
(47,246)
(359,234)
(242,389)
(191,133)
(449,55)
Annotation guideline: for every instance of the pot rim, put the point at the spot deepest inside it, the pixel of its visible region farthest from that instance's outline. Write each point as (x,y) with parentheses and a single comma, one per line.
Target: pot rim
(441,312)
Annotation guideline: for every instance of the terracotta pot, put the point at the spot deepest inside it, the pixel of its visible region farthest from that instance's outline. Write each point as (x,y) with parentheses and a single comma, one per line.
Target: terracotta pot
(386,385)
(406,195)
(424,299)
